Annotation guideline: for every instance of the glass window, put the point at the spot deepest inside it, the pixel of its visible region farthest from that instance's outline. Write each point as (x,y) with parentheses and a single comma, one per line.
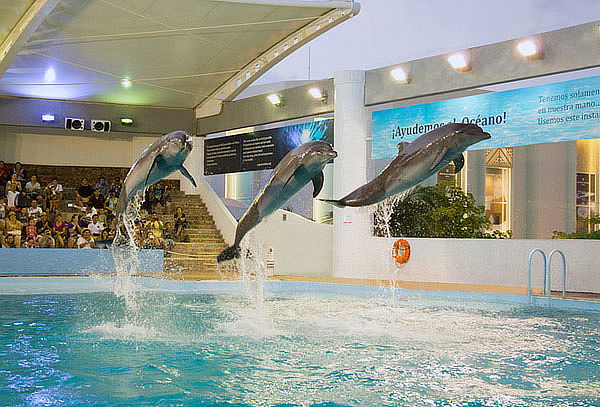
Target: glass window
(497,197)
(586,202)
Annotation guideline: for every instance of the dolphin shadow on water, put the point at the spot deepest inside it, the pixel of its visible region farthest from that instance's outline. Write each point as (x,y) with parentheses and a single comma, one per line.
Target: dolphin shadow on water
(300,166)
(160,159)
(416,162)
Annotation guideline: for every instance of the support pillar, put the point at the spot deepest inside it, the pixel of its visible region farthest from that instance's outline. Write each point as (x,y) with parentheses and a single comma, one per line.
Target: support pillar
(350,225)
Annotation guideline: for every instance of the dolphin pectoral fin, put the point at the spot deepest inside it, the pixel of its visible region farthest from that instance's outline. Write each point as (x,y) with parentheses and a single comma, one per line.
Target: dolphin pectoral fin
(152,167)
(439,158)
(459,163)
(317,184)
(187,174)
(334,202)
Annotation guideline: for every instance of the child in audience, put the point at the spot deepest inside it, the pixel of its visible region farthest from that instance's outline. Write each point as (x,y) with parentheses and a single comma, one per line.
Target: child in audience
(31,229)
(53,193)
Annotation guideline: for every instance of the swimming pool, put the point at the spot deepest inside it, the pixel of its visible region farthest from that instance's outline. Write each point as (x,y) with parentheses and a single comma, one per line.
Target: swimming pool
(71,342)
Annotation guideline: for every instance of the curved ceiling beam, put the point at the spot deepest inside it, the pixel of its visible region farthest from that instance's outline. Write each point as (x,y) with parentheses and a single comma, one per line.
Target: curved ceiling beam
(20,33)
(213,103)
(340,4)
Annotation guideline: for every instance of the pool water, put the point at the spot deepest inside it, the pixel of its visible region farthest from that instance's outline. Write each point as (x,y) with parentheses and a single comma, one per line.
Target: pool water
(296,348)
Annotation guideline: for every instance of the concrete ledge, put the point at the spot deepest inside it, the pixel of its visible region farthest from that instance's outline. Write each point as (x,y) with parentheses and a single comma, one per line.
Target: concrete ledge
(61,262)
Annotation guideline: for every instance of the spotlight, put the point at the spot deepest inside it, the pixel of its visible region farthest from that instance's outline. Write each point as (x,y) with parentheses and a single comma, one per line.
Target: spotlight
(318,94)
(459,61)
(74,124)
(275,100)
(100,125)
(126,83)
(50,75)
(126,121)
(400,75)
(529,49)
(47,117)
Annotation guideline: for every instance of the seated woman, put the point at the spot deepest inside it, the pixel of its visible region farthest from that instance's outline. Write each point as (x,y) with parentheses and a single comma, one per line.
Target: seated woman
(60,229)
(14,228)
(86,241)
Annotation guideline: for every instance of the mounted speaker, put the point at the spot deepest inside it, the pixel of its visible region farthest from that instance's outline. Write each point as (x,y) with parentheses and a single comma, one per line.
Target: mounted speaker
(100,125)
(74,124)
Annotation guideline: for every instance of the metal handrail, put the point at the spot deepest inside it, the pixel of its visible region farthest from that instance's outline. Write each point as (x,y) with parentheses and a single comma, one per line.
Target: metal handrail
(531,254)
(564,263)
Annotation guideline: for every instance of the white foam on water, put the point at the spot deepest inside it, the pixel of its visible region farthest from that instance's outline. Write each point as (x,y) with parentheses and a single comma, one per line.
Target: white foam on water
(127,332)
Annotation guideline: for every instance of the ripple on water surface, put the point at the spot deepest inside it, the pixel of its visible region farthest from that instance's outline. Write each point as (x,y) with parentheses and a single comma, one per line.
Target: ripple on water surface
(294,350)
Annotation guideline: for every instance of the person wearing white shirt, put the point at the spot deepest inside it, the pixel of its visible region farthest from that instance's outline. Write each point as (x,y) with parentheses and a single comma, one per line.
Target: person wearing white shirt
(86,241)
(11,196)
(96,227)
(34,211)
(33,188)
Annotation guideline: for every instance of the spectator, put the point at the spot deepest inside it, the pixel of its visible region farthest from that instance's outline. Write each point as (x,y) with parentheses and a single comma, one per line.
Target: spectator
(84,220)
(155,226)
(73,232)
(180,224)
(19,172)
(4,177)
(97,200)
(11,196)
(22,216)
(151,242)
(95,226)
(43,224)
(14,181)
(60,229)
(31,243)
(105,235)
(33,189)
(111,202)
(14,228)
(46,240)
(9,242)
(3,208)
(86,241)
(84,192)
(168,237)
(101,186)
(34,210)
(53,193)
(31,229)
(115,187)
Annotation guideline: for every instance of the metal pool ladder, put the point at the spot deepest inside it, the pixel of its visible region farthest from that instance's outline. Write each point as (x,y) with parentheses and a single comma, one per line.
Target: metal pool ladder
(547,287)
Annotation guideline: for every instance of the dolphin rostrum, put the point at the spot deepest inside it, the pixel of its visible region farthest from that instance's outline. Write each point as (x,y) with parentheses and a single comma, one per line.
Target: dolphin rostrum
(416,162)
(161,158)
(300,166)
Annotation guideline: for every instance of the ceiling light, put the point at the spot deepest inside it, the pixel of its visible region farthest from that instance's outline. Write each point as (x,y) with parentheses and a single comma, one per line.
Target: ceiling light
(318,94)
(399,75)
(459,61)
(126,83)
(126,121)
(47,117)
(275,99)
(50,75)
(529,48)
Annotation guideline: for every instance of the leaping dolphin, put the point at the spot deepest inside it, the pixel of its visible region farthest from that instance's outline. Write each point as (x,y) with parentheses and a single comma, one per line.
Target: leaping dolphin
(294,171)
(416,162)
(161,158)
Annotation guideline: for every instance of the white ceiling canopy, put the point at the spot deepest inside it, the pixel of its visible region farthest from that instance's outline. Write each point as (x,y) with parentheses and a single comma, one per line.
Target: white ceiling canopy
(176,53)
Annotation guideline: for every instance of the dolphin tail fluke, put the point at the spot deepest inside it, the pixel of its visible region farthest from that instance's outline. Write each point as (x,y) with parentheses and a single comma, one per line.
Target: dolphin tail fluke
(334,202)
(228,254)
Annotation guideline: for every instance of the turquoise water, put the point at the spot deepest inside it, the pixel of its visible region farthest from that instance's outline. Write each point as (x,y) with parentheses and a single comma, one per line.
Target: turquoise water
(298,348)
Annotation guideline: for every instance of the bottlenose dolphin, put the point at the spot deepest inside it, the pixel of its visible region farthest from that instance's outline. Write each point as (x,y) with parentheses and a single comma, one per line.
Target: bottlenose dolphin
(294,171)
(161,158)
(416,162)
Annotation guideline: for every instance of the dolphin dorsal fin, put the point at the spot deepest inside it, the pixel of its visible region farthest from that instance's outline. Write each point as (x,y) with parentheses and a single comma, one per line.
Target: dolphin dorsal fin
(317,184)
(459,163)
(439,158)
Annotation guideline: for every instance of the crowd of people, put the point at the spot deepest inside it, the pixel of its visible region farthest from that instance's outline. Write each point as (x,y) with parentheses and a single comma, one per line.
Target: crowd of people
(30,215)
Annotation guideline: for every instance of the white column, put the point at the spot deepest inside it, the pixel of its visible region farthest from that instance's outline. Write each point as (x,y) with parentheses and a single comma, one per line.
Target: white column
(350,225)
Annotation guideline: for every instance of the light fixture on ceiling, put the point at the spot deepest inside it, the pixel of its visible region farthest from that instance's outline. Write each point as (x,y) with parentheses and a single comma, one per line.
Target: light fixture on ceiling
(275,100)
(126,83)
(50,75)
(530,48)
(47,117)
(460,61)
(400,75)
(318,94)
(127,121)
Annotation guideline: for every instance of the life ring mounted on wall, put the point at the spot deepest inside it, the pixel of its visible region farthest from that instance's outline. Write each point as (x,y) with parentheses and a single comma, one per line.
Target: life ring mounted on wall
(401,251)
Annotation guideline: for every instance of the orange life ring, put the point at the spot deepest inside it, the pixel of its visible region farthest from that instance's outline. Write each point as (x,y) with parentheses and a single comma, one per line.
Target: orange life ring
(401,246)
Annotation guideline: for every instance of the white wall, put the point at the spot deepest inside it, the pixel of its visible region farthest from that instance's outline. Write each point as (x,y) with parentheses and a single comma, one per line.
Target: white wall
(302,247)
(479,261)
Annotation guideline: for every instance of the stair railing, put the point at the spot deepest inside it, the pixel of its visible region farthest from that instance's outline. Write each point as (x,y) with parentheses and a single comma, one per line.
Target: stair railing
(545,270)
(564,270)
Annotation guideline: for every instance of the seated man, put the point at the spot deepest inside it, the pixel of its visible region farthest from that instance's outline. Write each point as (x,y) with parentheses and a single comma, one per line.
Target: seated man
(155,226)
(53,193)
(46,240)
(86,241)
(43,224)
(102,186)
(95,226)
(97,201)
(115,187)
(8,242)
(84,193)
(4,177)
(34,211)
(33,189)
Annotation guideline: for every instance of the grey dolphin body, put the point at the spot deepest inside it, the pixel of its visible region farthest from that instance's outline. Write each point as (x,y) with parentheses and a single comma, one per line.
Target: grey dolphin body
(163,157)
(300,166)
(416,162)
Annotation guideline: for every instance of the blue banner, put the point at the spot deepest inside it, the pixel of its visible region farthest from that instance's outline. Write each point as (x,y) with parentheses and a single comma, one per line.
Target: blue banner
(550,113)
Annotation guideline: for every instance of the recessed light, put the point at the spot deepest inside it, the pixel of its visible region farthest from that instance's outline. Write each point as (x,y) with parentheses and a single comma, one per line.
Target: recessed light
(47,117)
(126,83)
(275,99)
(529,48)
(459,61)
(399,75)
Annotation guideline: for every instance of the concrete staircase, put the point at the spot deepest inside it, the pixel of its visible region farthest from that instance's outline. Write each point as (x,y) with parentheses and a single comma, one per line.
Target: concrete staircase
(197,259)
